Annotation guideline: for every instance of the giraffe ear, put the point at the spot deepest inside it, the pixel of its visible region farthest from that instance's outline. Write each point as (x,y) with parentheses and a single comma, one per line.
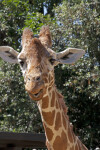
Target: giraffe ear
(70,55)
(45,37)
(8,54)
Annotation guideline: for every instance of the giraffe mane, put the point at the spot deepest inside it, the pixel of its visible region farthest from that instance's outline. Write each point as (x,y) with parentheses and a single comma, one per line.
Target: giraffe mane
(63,105)
(65,108)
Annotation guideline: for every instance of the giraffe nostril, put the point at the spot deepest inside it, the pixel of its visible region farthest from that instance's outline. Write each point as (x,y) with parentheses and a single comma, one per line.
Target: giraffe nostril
(38,79)
(29,79)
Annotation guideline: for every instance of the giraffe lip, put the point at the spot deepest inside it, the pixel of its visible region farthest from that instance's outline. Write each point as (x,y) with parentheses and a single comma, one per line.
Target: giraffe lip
(38,94)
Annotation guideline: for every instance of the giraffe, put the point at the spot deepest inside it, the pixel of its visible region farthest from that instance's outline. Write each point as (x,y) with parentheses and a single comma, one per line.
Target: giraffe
(37,61)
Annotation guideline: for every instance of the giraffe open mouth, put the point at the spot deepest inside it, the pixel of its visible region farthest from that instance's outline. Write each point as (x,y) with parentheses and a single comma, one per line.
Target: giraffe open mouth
(38,94)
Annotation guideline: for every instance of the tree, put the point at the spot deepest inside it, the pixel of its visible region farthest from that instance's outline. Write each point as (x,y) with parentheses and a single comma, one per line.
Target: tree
(45,6)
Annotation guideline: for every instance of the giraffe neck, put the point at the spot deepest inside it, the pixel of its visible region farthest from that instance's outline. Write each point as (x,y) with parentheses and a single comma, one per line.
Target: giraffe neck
(58,131)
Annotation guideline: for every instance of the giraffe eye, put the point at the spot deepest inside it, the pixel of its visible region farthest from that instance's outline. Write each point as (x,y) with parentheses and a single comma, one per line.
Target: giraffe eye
(52,61)
(21,63)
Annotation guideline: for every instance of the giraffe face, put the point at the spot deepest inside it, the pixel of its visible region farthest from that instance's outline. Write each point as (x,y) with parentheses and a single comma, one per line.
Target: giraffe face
(36,63)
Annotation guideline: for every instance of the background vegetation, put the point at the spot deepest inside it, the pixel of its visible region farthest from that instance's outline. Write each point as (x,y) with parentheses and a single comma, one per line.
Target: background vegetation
(73,23)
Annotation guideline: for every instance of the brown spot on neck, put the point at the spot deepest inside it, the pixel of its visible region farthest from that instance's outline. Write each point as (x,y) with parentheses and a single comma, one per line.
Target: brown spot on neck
(58,121)
(61,143)
(49,117)
(45,102)
(49,132)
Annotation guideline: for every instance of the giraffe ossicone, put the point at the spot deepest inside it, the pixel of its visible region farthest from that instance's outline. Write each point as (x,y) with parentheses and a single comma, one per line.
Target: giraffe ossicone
(37,61)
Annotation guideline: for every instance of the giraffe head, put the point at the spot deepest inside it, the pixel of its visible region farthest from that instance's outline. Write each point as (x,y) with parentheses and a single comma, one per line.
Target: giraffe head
(37,60)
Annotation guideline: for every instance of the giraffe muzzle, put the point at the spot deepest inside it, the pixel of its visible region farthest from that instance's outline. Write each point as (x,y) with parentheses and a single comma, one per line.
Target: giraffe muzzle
(36,96)
(36,90)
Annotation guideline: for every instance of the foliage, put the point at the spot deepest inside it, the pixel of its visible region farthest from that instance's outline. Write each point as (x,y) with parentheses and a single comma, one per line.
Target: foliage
(73,24)
(45,6)
(17,111)
(21,115)
(80,27)
(83,26)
